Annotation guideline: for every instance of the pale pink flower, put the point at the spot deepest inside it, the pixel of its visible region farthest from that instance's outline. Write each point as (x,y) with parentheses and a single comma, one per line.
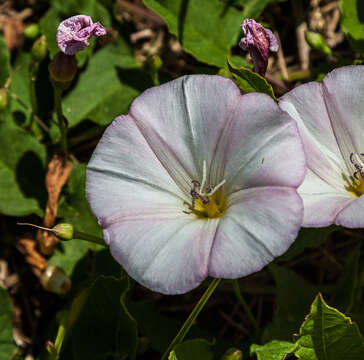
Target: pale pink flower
(330,118)
(74,32)
(197,180)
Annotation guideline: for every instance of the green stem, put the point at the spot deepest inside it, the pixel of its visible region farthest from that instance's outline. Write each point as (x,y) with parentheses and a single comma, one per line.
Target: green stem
(60,117)
(244,304)
(91,238)
(192,317)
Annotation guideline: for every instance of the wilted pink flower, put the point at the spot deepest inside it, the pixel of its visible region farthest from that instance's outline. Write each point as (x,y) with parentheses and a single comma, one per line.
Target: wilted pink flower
(330,118)
(197,180)
(73,33)
(258,41)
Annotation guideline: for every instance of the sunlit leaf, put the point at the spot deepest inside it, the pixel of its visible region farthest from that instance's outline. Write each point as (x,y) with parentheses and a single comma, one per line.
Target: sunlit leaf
(274,350)
(327,334)
(206,29)
(352,22)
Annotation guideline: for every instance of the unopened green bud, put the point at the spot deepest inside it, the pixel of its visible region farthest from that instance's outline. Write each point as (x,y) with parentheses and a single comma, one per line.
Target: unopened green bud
(31,31)
(232,354)
(55,280)
(63,68)
(3,99)
(317,42)
(64,231)
(40,49)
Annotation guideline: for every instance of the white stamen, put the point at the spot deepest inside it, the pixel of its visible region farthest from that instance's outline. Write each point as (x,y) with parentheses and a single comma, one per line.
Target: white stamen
(201,191)
(217,187)
(358,161)
(203,178)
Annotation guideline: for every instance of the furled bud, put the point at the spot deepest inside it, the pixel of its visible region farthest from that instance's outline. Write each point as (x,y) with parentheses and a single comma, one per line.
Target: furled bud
(258,41)
(317,42)
(64,231)
(40,49)
(74,32)
(55,280)
(63,68)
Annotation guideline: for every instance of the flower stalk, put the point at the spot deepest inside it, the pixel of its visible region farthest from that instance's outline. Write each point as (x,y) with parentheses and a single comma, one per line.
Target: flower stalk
(192,317)
(61,119)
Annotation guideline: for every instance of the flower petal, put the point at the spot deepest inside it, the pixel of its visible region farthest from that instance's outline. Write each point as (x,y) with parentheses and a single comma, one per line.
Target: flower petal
(260,224)
(124,173)
(74,32)
(343,92)
(321,201)
(261,146)
(202,104)
(305,104)
(352,215)
(165,253)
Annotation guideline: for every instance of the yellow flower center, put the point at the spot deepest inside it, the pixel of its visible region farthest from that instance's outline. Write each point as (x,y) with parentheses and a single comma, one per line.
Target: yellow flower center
(214,208)
(207,202)
(356,187)
(356,183)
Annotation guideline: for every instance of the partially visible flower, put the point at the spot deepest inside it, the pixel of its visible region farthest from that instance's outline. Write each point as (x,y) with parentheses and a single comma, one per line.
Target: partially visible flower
(258,41)
(197,180)
(330,118)
(74,32)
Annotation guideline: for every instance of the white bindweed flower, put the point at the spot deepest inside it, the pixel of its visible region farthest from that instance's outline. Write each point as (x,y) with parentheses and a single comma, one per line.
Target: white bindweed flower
(330,118)
(197,180)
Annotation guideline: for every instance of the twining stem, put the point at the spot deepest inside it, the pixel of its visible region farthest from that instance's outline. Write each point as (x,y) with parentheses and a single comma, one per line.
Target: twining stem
(87,237)
(244,304)
(76,234)
(192,317)
(61,121)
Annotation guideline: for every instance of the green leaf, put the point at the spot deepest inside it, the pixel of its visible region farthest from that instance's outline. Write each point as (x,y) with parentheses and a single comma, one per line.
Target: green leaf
(274,350)
(294,297)
(102,97)
(74,209)
(104,327)
(352,22)
(19,88)
(307,239)
(4,62)
(160,329)
(48,26)
(206,29)
(7,344)
(327,334)
(22,162)
(253,8)
(249,81)
(69,253)
(343,297)
(197,349)
(172,356)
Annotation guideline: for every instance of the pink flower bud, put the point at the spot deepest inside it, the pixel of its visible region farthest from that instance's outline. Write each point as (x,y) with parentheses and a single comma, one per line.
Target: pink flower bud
(258,41)
(74,32)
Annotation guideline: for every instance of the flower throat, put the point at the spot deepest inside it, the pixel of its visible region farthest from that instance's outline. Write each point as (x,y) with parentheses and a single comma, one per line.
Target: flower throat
(207,202)
(356,185)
